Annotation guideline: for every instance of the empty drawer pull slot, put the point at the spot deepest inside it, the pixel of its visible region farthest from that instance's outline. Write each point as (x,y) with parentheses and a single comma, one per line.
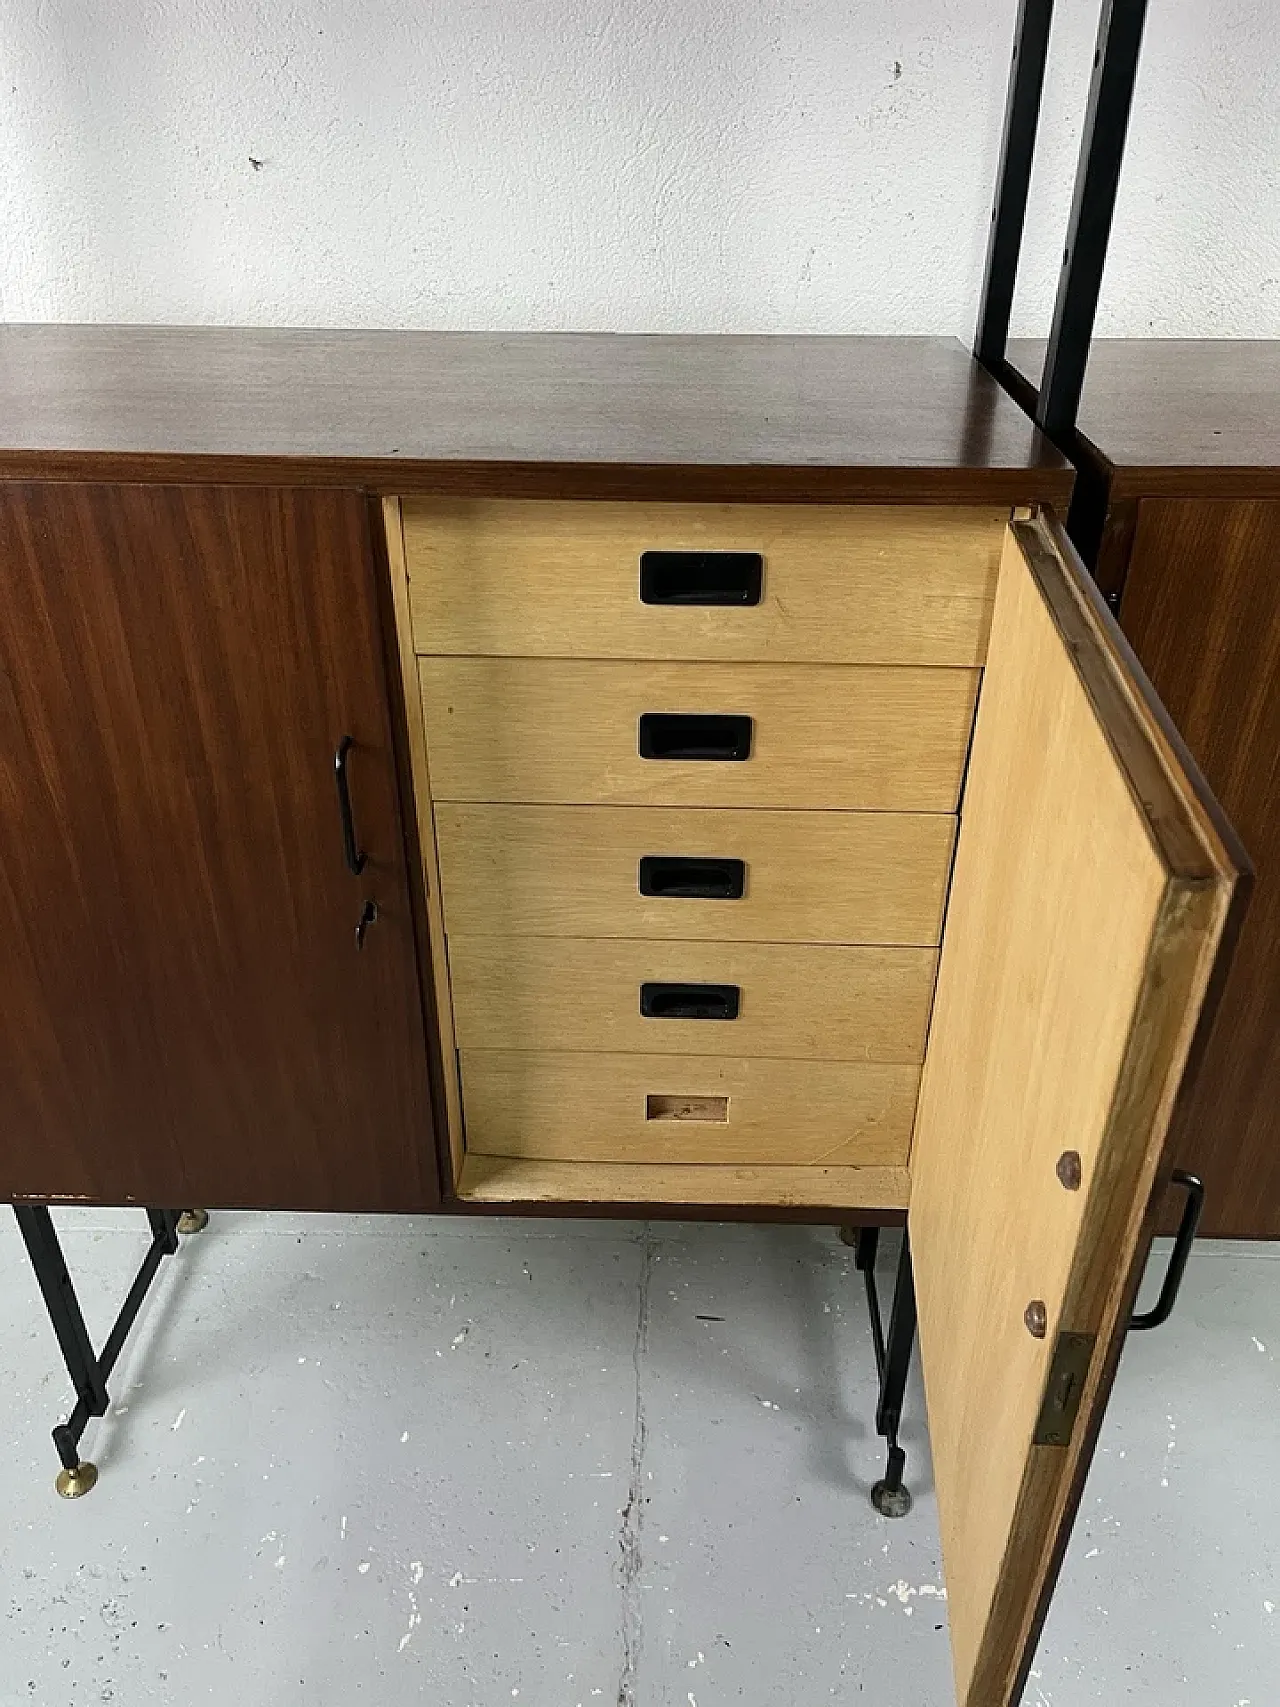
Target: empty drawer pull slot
(694,735)
(700,577)
(689,1001)
(712,1109)
(692,879)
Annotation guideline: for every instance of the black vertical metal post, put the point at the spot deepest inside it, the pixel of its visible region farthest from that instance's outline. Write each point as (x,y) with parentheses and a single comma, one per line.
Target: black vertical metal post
(1017,150)
(1115,68)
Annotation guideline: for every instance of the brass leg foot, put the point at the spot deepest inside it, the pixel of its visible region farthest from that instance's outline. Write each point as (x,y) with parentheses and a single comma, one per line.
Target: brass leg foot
(889,1497)
(193,1220)
(72,1483)
(890,1501)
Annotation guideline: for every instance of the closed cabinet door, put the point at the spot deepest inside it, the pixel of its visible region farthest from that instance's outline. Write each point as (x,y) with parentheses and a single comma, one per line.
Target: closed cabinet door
(208,982)
(1094,889)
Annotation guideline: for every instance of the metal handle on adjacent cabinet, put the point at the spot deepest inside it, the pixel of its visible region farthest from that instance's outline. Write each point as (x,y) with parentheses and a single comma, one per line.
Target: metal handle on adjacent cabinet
(1194,1208)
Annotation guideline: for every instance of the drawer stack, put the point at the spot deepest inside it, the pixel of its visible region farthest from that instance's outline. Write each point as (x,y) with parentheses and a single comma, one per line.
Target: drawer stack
(694,772)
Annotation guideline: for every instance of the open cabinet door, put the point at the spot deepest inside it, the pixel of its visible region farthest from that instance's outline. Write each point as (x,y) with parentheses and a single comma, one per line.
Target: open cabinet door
(1095,885)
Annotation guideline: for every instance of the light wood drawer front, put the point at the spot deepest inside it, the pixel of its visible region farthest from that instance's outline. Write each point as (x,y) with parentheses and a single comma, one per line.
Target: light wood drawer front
(838,877)
(851,584)
(696,1109)
(556,732)
(824,1004)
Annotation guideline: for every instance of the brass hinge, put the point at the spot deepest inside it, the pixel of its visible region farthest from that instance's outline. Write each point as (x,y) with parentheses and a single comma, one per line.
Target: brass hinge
(1064,1389)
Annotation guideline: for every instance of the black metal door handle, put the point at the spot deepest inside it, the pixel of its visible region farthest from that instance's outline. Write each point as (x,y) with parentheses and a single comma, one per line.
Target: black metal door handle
(350,851)
(689,1001)
(692,879)
(1163,1308)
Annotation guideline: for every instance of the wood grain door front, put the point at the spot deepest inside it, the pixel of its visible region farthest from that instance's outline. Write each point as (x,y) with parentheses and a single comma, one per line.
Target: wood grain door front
(185,1017)
(1094,884)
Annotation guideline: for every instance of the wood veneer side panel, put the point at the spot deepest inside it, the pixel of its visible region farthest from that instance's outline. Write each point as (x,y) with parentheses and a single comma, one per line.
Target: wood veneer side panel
(426,839)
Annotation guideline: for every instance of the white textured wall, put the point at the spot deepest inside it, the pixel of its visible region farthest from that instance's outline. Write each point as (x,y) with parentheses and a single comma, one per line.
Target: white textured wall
(819,165)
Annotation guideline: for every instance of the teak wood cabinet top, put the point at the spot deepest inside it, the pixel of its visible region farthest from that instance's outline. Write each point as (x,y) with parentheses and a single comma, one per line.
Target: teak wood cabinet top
(591,774)
(1179,457)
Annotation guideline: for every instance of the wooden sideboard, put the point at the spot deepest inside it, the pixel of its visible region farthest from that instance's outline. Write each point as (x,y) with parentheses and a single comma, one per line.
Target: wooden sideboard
(595,774)
(1179,456)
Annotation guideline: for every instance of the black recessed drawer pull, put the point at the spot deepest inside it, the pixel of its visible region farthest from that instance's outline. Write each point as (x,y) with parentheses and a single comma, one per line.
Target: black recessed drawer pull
(694,735)
(700,577)
(692,879)
(689,1001)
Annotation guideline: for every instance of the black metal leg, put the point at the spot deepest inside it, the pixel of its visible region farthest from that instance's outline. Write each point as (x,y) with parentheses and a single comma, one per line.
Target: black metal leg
(866,1247)
(36,1226)
(893,1360)
(164,1229)
(89,1371)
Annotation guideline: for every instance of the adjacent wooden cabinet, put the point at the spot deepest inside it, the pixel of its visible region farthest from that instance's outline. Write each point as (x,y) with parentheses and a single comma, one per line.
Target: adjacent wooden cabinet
(1179,456)
(716,740)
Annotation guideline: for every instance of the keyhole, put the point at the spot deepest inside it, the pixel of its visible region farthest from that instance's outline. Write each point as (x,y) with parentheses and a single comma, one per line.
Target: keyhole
(368,915)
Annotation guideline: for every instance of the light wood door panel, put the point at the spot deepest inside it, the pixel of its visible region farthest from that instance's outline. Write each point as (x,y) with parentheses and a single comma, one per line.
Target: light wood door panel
(691,1109)
(838,877)
(809,1003)
(1090,894)
(842,584)
(823,736)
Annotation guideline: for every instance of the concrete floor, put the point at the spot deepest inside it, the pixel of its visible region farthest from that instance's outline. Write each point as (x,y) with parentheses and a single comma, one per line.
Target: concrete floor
(553,1463)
